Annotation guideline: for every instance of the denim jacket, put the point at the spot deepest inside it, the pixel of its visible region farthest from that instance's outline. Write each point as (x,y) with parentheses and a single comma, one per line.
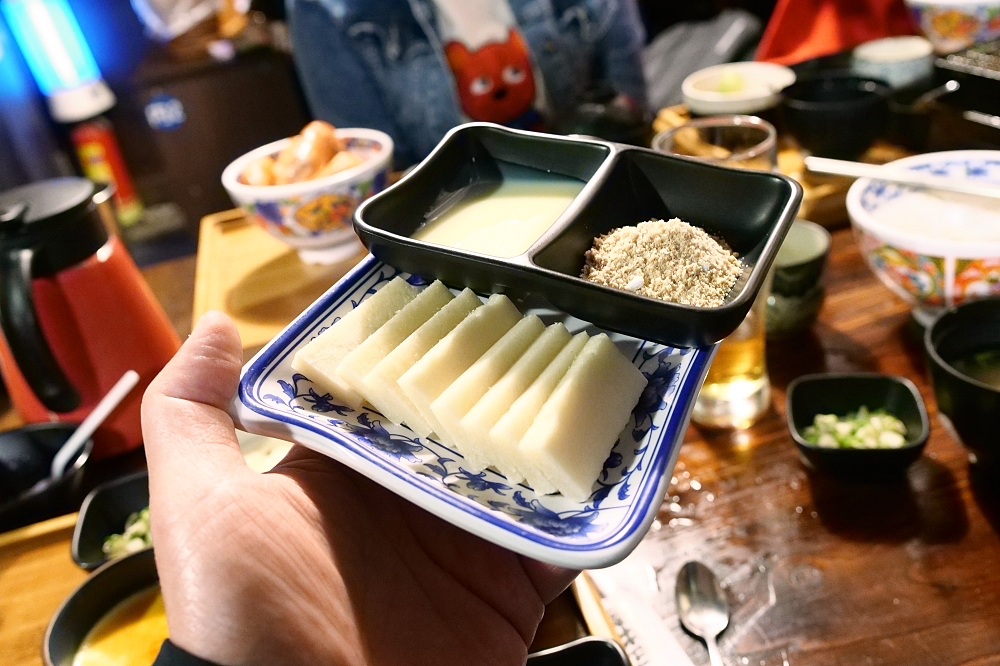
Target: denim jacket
(381,64)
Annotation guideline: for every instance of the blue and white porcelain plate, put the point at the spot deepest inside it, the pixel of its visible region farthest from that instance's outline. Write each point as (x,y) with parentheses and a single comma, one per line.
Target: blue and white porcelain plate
(275,401)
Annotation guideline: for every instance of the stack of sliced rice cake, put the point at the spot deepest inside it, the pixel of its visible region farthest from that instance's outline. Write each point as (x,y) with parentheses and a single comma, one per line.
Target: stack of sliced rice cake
(534,402)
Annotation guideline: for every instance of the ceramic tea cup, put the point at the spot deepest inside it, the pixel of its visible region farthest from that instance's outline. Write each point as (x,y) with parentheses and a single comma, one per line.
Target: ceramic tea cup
(796,293)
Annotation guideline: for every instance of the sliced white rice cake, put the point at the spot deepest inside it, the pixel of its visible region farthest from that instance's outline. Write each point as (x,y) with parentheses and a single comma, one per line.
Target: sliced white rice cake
(578,425)
(456,400)
(476,424)
(318,360)
(507,433)
(382,382)
(455,353)
(358,363)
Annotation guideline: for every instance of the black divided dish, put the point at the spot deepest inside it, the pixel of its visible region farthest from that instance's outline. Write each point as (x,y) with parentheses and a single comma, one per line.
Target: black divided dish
(836,115)
(589,651)
(842,394)
(103,513)
(971,407)
(751,210)
(96,596)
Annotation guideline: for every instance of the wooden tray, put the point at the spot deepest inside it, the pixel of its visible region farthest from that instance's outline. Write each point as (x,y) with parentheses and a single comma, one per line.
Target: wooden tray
(36,574)
(255,278)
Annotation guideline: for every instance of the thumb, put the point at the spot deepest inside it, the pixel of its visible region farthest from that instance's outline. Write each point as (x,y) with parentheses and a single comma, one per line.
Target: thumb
(188,435)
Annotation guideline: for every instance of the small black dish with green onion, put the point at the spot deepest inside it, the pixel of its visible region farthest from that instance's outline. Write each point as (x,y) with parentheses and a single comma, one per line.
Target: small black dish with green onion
(105,514)
(862,425)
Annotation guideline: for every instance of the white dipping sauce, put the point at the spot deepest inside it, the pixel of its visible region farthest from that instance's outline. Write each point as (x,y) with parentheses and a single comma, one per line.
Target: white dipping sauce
(505,222)
(938,215)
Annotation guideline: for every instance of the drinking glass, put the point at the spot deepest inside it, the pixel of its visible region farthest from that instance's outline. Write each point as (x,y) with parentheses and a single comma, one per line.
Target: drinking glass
(737,391)
(744,142)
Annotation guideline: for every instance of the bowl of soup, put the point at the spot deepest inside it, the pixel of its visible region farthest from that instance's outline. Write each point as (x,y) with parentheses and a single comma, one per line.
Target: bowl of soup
(115,618)
(963,353)
(932,248)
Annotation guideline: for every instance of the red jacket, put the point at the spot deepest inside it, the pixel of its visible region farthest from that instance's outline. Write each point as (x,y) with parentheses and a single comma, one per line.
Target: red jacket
(804,29)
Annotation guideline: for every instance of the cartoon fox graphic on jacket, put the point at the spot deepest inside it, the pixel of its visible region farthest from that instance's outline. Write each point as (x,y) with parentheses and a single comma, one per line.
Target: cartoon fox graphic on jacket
(495,77)
(495,82)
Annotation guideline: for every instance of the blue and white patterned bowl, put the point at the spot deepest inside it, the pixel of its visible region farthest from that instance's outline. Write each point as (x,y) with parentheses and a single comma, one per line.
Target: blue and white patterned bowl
(931,271)
(952,25)
(275,401)
(318,214)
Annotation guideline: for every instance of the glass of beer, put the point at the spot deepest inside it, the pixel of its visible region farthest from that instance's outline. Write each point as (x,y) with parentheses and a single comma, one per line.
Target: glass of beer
(737,391)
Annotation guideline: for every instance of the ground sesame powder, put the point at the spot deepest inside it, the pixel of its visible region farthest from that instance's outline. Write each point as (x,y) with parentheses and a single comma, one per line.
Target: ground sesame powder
(672,261)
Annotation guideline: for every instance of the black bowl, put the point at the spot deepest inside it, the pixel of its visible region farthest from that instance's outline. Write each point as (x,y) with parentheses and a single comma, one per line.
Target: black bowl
(836,115)
(26,454)
(591,651)
(96,596)
(103,513)
(969,407)
(841,394)
(751,210)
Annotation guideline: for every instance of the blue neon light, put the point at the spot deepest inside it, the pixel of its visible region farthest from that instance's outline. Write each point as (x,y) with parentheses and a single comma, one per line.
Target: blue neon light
(52,43)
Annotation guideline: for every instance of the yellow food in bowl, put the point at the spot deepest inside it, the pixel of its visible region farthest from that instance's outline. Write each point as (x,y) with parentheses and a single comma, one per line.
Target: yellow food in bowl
(130,634)
(315,152)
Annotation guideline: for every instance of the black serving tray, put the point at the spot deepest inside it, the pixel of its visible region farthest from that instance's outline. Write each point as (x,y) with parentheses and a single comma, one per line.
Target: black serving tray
(751,210)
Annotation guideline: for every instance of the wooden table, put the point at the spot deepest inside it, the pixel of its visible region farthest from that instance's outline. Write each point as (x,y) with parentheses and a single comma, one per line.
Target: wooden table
(820,572)
(825,572)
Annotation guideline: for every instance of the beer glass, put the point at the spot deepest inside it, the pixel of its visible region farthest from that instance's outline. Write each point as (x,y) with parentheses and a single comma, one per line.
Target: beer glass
(737,391)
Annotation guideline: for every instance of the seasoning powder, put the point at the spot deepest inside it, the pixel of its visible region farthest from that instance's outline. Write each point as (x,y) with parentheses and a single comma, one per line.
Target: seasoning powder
(672,261)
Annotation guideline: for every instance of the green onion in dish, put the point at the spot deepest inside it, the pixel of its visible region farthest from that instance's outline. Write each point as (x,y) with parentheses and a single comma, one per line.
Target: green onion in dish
(862,429)
(136,537)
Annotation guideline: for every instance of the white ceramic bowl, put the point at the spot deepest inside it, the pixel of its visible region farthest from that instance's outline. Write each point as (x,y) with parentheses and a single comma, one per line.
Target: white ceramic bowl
(899,61)
(315,216)
(948,258)
(760,89)
(952,25)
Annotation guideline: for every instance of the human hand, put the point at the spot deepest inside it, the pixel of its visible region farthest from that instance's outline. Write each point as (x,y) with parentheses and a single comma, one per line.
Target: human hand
(312,563)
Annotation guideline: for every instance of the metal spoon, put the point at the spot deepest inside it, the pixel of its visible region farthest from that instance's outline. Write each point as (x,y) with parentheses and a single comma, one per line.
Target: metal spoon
(934,93)
(702,606)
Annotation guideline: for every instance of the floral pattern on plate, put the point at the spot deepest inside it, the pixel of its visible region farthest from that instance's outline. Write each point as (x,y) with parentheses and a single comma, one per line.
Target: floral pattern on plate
(274,400)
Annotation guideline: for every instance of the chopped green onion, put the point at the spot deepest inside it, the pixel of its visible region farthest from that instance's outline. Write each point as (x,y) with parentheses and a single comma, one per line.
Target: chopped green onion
(858,430)
(136,537)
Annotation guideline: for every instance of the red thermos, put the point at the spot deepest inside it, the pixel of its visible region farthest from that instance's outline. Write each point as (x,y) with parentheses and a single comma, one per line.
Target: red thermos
(75,314)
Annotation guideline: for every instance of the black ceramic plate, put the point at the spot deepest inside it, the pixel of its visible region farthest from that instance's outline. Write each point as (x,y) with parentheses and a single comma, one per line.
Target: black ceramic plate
(103,513)
(751,210)
(88,603)
(841,394)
